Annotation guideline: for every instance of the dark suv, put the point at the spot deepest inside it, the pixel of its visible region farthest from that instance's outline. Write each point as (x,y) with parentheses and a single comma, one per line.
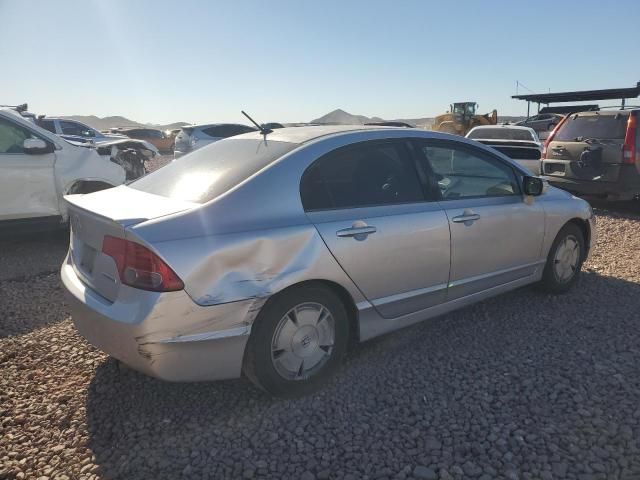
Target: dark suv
(595,153)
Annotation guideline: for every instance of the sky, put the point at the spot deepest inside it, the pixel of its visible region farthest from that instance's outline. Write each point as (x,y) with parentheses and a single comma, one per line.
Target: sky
(292,61)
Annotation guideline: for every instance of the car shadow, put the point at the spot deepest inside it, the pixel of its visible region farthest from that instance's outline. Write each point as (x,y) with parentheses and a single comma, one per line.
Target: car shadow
(488,364)
(628,209)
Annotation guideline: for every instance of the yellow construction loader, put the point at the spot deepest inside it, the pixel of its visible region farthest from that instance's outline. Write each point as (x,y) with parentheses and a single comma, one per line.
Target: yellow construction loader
(462,117)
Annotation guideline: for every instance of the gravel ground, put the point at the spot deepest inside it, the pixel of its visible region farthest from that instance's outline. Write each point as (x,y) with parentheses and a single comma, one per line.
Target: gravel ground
(523,386)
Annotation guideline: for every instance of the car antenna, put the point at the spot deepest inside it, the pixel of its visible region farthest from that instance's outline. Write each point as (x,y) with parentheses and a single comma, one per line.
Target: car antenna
(263,130)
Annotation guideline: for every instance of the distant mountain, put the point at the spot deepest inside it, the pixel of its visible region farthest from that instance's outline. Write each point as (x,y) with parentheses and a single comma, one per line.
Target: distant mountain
(118,121)
(341,117)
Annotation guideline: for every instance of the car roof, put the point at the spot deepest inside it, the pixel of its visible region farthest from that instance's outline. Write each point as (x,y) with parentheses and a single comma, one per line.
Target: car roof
(306,134)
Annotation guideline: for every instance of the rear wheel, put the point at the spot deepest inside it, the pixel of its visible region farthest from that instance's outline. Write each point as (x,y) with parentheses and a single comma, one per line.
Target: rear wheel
(297,341)
(564,261)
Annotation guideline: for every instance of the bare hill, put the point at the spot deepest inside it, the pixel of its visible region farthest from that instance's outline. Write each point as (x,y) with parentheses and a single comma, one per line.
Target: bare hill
(105,123)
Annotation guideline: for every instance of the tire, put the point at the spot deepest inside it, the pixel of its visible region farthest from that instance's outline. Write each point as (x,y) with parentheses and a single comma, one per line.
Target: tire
(292,328)
(564,261)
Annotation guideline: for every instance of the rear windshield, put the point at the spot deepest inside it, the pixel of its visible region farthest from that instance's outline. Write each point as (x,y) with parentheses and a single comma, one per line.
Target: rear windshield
(501,134)
(212,170)
(576,129)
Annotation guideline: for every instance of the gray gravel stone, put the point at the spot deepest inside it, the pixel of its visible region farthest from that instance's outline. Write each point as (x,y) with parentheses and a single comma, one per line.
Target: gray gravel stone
(524,384)
(424,473)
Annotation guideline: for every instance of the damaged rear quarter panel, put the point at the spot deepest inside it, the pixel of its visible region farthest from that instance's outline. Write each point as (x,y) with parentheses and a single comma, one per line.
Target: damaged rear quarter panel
(255,265)
(251,242)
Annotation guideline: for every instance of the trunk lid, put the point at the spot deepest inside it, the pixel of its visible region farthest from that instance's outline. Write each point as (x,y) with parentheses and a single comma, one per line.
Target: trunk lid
(588,146)
(109,212)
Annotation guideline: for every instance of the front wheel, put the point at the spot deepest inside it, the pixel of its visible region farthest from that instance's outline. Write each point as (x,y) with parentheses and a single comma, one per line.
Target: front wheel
(564,261)
(297,341)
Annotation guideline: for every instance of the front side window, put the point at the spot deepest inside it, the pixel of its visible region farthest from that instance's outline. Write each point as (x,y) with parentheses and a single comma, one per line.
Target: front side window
(365,174)
(463,173)
(12,137)
(76,129)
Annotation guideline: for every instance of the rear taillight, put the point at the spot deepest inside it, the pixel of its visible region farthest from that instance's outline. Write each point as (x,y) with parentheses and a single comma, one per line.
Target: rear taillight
(551,135)
(139,267)
(629,147)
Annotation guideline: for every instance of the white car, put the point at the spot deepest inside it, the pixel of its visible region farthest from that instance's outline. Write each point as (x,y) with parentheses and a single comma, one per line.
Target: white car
(37,168)
(518,143)
(76,131)
(197,136)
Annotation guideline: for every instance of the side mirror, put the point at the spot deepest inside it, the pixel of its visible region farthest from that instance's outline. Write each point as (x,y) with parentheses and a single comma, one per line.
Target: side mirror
(36,146)
(533,186)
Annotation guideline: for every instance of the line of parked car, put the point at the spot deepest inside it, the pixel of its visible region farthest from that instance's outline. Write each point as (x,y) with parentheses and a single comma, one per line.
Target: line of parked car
(595,152)
(266,239)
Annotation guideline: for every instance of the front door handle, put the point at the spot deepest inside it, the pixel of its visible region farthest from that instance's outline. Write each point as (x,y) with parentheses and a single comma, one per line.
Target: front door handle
(467,217)
(357,232)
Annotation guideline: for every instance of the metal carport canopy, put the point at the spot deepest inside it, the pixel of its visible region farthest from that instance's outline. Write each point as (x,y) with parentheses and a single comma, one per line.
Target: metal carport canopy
(582,96)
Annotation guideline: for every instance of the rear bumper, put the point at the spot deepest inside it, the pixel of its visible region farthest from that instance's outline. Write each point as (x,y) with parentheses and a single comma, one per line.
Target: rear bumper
(626,187)
(166,335)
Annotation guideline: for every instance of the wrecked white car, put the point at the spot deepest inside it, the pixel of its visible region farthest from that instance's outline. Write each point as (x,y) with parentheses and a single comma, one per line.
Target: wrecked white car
(37,168)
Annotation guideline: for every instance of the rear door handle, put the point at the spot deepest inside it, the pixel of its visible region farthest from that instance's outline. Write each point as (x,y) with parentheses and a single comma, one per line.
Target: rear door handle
(356,231)
(466,217)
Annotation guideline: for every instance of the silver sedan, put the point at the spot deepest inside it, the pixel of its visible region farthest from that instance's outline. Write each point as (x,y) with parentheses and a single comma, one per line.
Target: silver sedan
(266,254)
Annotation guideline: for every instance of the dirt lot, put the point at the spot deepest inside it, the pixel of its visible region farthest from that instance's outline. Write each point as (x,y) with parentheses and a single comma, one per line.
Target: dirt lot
(523,386)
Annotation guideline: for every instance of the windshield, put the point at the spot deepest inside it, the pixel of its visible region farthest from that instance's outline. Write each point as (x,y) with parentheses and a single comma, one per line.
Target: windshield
(501,134)
(212,170)
(611,127)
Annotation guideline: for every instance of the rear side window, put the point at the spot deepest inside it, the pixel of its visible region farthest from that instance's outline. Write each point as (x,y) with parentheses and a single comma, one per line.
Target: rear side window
(366,174)
(213,170)
(226,131)
(215,132)
(47,125)
(578,128)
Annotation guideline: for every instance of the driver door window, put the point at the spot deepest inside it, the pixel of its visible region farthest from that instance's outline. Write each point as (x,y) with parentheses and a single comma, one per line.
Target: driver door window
(76,129)
(12,137)
(460,173)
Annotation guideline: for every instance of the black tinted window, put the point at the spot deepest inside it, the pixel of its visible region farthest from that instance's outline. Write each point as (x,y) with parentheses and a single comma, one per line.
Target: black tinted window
(226,131)
(361,175)
(47,125)
(461,173)
(77,129)
(611,127)
(215,132)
